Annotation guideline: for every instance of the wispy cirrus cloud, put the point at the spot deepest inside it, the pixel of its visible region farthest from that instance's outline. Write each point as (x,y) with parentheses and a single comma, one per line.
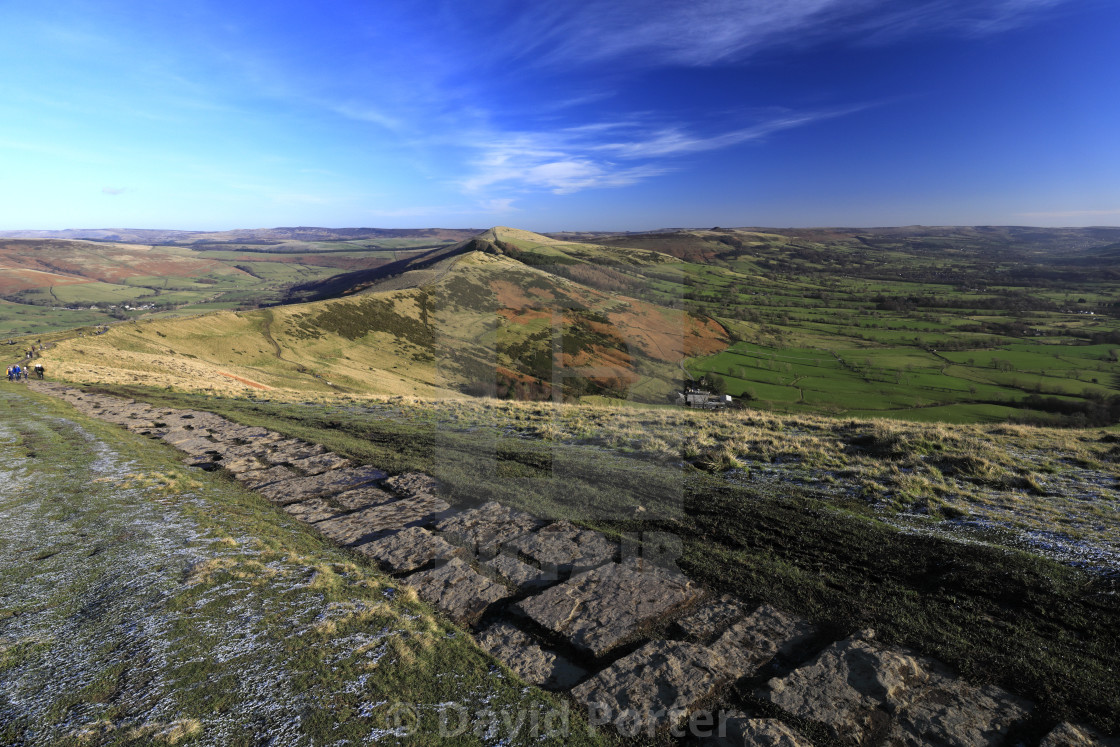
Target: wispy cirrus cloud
(951,16)
(706,32)
(607,154)
(113,190)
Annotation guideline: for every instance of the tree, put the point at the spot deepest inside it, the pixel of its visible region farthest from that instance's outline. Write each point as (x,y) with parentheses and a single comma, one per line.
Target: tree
(717,384)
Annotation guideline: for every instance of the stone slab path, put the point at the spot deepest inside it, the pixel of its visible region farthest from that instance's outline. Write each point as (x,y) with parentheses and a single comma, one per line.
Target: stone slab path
(562,607)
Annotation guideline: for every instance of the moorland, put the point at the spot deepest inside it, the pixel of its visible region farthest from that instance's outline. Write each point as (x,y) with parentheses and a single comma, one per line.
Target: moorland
(925,437)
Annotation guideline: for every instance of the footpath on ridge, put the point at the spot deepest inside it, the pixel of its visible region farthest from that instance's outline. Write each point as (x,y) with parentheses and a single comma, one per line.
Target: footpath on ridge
(571,610)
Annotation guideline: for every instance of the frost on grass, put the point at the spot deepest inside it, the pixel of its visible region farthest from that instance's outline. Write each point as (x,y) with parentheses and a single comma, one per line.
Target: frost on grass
(123,618)
(1052,492)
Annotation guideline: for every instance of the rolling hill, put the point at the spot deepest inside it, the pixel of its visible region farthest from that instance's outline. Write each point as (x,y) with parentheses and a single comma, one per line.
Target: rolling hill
(59,283)
(960,324)
(469,319)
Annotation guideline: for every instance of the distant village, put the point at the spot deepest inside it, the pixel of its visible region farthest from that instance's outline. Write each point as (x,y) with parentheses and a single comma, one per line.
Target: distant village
(123,307)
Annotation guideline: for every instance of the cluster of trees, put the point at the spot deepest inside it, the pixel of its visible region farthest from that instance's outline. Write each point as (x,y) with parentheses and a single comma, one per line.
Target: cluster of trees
(1011,301)
(1092,412)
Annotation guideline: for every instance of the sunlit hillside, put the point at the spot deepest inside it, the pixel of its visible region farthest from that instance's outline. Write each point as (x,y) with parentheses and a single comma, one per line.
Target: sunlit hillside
(475,322)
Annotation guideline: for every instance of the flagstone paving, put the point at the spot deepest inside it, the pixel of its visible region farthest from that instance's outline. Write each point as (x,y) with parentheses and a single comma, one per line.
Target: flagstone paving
(558,605)
(409,550)
(564,548)
(483,530)
(597,610)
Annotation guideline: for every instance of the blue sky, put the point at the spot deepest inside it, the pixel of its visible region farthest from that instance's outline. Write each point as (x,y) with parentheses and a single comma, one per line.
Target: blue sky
(567,115)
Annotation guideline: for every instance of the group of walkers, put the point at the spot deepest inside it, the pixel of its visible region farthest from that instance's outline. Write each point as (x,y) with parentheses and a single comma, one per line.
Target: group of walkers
(17,372)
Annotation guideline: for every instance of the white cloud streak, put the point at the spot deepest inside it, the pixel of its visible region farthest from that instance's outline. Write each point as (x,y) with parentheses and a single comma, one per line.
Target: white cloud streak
(602,155)
(705,32)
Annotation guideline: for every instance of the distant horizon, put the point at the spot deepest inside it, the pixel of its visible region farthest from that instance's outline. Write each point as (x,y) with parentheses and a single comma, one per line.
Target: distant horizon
(5,231)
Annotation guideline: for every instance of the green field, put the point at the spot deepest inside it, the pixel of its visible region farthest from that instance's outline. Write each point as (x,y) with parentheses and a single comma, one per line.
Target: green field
(907,381)
(968,324)
(234,277)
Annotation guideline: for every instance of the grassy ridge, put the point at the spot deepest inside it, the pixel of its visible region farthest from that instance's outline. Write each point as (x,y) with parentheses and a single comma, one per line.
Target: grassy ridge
(1039,628)
(52,283)
(483,324)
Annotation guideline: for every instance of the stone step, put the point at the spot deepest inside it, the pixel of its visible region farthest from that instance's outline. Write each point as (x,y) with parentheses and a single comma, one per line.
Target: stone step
(414,484)
(379,521)
(521,576)
(320,463)
(599,609)
(739,730)
(352,500)
(661,683)
(409,550)
(753,642)
(564,548)
(259,478)
(520,652)
(313,510)
(457,590)
(317,486)
(712,618)
(653,688)
(291,450)
(194,444)
(485,529)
